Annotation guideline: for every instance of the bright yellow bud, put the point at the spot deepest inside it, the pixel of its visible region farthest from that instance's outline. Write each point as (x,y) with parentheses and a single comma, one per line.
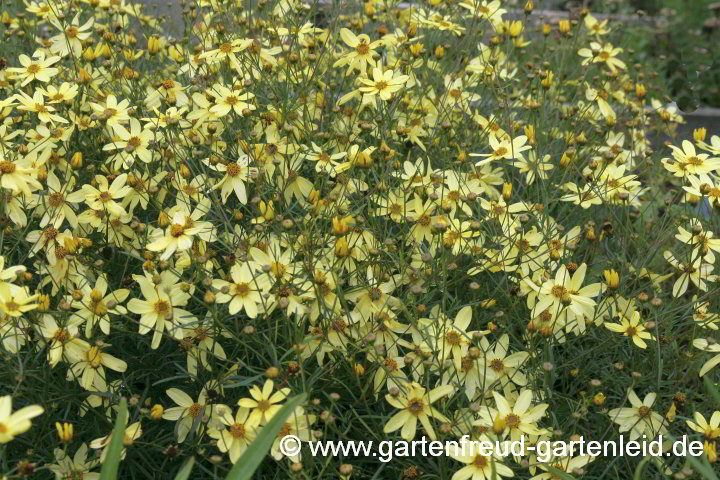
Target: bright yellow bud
(564,26)
(439,51)
(341,247)
(153,45)
(267,210)
(529,131)
(341,225)
(612,278)
(640,90)
(699,134)
(672,413)
(64,431)
(89,54)
(77,160)
(528,7)
(547,81)
(516,28)
(598,399)
(156,412)
(547,28)
(711,451)
(507,191)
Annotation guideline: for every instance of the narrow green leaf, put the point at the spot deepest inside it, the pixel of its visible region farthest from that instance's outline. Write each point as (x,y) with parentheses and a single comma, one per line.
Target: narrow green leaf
(712,390)
(640,467)
(256,452)
(700,464)
(703,467)
(184,472)
(112,459)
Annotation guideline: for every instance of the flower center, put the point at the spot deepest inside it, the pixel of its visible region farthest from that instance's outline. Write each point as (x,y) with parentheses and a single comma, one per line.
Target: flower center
(242,289)
(50,233)
(7,167)
(177,230)
(162,307)
(479,462)
(233,169)
(453,338)
(512,421)
(237,430)
(195,410)
(416,406)
(501,151)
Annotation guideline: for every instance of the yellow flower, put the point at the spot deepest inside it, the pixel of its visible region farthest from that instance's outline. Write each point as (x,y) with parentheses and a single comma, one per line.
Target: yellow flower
(19,176)
(240,433)
(237,174)
(89,362)
(12,424)
(159,311)
(478,464)
(38,68)
(71,36)
(36,104)
(639,418)
(188,414)
(633,328)
(245,290)
(103,197)
(710,429)
(416,405)
(382,84)
(515,420)
(363,53)
(264,404)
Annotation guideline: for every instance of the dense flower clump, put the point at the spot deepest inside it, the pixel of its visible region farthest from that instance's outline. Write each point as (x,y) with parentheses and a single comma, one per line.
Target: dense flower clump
(439,220)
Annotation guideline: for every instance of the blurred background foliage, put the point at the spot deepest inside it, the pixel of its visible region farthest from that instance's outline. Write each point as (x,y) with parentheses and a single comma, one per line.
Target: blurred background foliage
(681,41)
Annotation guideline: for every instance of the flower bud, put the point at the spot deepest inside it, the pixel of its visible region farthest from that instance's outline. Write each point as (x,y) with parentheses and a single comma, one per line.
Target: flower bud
(612,278)
(64,431)
(157,411)
(640,90)
(507,191)
(77,160)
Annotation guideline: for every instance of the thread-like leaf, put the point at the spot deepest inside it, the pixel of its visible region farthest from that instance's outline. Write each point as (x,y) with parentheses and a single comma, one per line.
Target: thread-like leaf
(258,449)
(112,459)
(184,472)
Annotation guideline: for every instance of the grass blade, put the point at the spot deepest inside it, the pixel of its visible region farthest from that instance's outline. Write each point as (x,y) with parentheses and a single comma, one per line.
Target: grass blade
(112,460)
(184,472)
(712,390)
(256,452)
